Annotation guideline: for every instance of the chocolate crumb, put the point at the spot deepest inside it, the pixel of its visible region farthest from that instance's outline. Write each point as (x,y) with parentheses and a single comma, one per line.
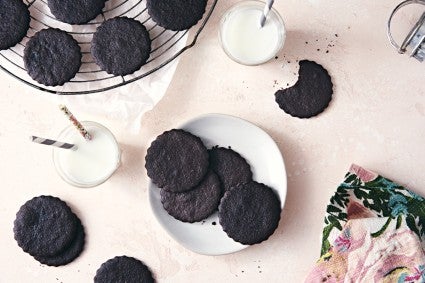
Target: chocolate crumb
(306,42)
(289,62)
(318,49)
(327,51)
(276,57)
(317,40)
(214,223)
(336,35)
(287,84)
(243,271)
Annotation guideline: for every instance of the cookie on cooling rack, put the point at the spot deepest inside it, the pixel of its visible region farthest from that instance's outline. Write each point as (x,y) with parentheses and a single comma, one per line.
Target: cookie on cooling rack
(123,269)
(76,11)
(310,95)
(52,57)
(176,14)
(194,205)
(14,22)
(121,46)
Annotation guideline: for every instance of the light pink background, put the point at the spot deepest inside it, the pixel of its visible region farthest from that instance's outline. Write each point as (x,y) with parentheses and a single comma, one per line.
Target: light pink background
(376,119)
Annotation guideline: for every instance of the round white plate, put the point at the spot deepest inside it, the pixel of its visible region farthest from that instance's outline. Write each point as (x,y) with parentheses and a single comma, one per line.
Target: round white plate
(267,166)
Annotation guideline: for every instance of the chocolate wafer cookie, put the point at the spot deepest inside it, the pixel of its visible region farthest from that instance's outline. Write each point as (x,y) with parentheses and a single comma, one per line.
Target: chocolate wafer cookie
(177,161)
(45,226)
(14,22)
(230,166)
(123,269)
(76,11)
(249,213)
(52,57)
(196,204)
(176,14)
(310,95)
(121,46)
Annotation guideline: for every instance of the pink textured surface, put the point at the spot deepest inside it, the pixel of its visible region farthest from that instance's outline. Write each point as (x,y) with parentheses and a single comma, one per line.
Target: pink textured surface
(376,119)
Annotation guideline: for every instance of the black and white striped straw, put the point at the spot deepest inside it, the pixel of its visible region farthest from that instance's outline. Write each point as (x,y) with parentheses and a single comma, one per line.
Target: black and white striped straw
(266,11)
(53,143)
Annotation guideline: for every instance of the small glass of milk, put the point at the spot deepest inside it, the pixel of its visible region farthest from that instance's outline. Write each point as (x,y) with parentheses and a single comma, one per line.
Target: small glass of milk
(93,162)
(242,37)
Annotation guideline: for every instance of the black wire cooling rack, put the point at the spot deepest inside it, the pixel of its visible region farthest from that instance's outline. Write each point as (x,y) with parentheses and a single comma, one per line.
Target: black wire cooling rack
(166,46)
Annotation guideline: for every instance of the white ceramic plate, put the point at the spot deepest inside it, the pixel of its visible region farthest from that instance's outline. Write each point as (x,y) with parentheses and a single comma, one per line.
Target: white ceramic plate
(267,166)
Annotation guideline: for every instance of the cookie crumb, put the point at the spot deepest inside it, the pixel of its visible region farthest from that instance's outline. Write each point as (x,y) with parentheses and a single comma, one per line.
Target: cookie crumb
(214,223)
(318,49)
(306,42)
(276,57)
(336,35)
(327,51)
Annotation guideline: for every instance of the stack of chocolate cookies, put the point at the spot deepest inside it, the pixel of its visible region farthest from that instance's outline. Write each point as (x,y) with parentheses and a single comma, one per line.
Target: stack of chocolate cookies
(46,228)
(195,182)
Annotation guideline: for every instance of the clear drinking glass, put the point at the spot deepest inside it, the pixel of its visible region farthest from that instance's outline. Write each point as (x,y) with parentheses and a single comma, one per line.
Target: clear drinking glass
(244,40)
(93,162)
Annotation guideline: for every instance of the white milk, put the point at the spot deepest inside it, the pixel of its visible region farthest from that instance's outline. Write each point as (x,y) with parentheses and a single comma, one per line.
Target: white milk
(244,40)
(93,162)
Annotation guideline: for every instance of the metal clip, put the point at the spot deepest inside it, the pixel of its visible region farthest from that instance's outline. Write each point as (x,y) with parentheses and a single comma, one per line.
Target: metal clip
(416,36)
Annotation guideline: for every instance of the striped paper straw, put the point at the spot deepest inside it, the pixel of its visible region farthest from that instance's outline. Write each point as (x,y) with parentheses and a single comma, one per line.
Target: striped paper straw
(53,143)
(77,124)
(266,11)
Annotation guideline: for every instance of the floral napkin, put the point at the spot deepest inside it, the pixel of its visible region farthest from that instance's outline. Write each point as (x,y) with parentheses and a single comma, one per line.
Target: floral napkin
(374,232)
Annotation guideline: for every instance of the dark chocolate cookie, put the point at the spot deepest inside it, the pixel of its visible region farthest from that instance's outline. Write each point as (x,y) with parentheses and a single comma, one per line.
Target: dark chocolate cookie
(249,213)
(176,14)
(177,161)
(121,46)
(230,166)
(52,57)
(123,269)
(44,226)
(14,22)
(310,95)
(76,11)
(196,204)
(71,253)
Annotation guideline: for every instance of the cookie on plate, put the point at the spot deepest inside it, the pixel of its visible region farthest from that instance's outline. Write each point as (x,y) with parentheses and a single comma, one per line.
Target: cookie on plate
(45,226)
(123,269)
(76,11)
(177,161)
(194,205)
(121,46)
(176,14)
(230,166)
(249,213)
(71,252)
(52,57)
(14,22)
(310,95)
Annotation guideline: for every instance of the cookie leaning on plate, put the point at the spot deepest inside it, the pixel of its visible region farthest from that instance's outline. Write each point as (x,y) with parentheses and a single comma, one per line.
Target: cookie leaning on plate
(123,269)
(177,161)
(176,14)
(230,166)
(14,22)
(196,204)
(249,213)
(52,57)
(121,46)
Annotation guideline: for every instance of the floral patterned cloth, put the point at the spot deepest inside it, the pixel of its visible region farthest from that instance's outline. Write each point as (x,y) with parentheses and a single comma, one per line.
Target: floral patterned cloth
(374,232)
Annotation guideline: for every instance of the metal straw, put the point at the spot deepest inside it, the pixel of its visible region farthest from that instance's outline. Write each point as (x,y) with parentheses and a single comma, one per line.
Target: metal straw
(77,124)
(266,11)
(53,143)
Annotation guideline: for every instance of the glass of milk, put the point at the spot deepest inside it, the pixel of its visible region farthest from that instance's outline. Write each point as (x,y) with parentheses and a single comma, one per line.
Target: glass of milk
(93,162)
(242,37)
